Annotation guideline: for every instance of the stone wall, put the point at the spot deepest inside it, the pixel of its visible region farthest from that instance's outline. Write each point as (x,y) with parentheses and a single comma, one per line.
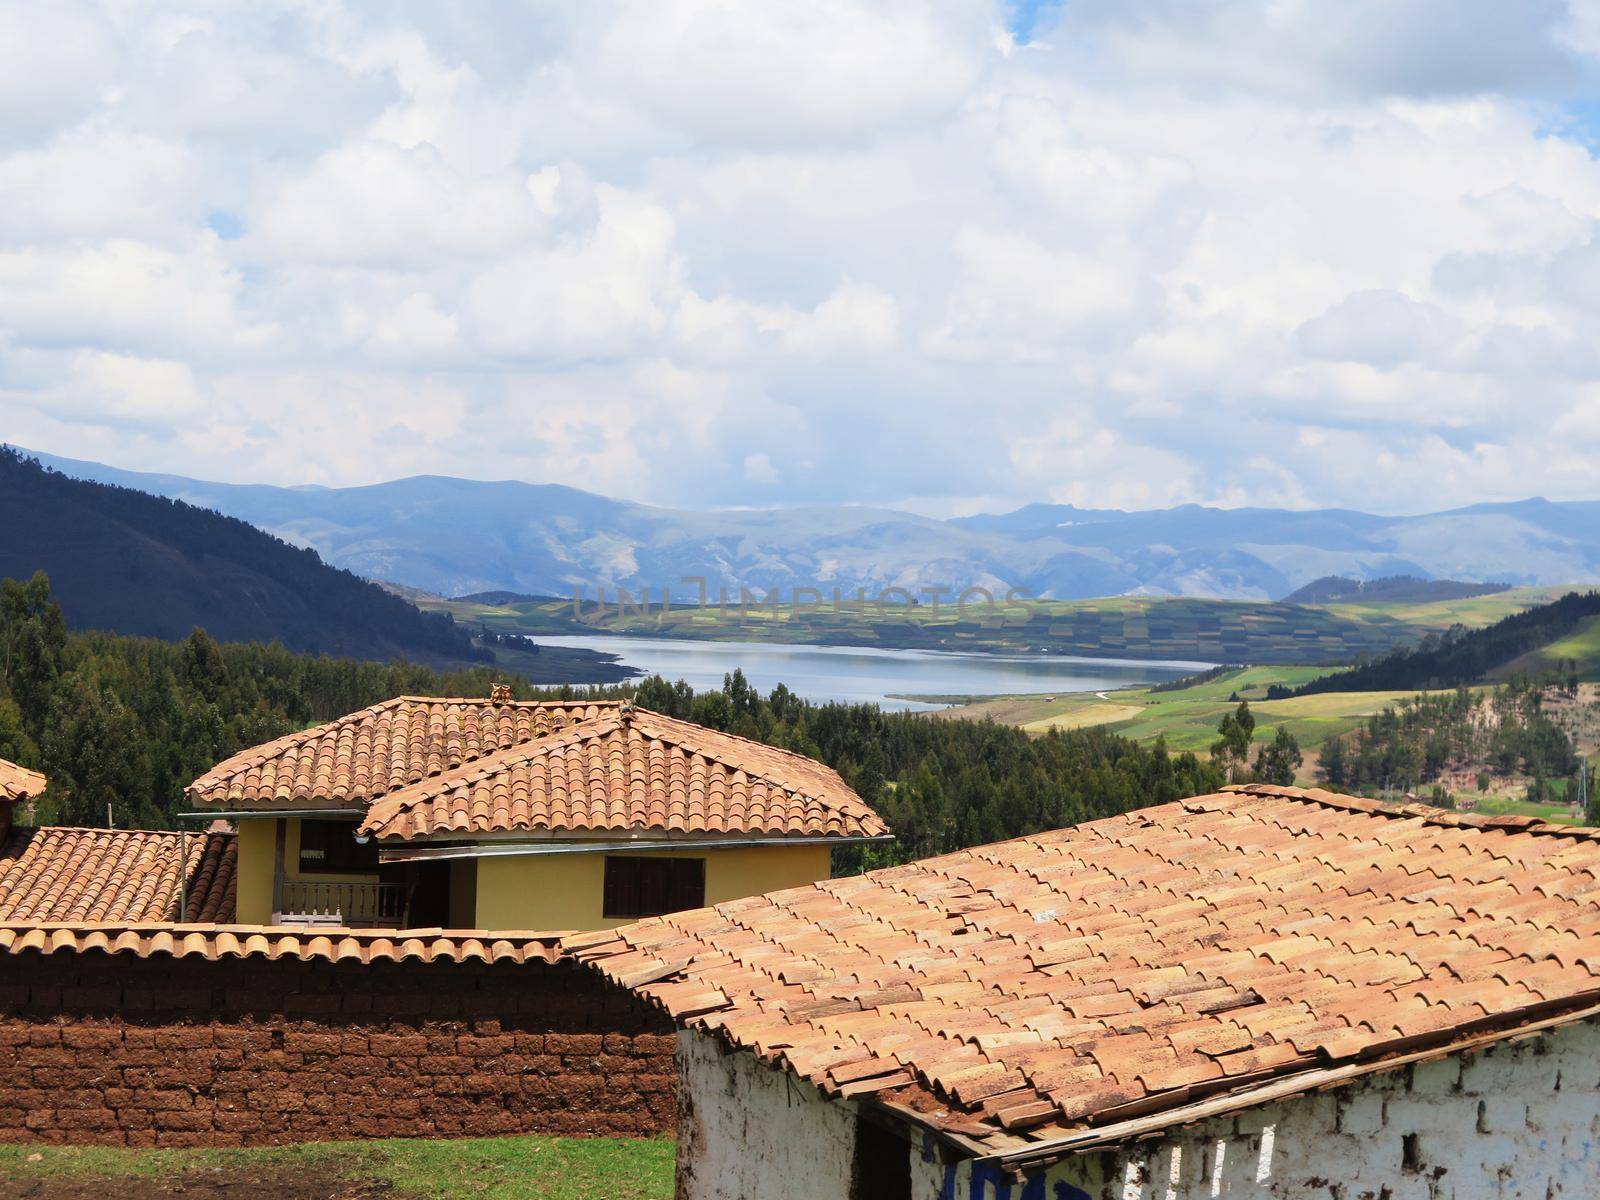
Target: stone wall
(102,1048)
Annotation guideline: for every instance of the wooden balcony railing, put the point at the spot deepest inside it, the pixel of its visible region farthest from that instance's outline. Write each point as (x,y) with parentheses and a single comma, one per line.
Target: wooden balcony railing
(328,902)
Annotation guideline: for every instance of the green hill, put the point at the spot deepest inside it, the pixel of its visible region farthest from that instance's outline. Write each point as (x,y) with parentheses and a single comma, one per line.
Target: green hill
(132,563)
(1553,636)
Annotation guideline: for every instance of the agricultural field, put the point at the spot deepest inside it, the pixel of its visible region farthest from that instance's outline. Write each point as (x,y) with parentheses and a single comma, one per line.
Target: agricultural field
(1188,717)
(509,1168)
(1138,627)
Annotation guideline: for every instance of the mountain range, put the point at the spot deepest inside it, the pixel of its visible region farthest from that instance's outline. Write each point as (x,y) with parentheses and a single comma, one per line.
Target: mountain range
(455,536)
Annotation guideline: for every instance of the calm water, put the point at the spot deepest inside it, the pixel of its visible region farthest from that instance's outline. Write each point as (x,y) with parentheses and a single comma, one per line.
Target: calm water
(864,675)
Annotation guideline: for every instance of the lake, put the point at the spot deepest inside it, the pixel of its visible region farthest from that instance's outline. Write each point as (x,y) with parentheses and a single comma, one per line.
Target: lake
(863,675)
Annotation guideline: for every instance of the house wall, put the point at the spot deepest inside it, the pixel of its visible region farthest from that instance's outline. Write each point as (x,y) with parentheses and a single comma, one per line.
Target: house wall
(257,855)
(747,1131)
(567,891)
(113,1049)
(253,873)
(550,891)
(1518,1121)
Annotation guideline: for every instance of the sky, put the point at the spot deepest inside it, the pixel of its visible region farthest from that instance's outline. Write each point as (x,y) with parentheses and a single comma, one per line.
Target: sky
(938,255)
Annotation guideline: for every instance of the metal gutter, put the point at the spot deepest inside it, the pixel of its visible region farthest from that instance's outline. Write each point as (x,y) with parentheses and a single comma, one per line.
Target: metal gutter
(522,849)
(224,814)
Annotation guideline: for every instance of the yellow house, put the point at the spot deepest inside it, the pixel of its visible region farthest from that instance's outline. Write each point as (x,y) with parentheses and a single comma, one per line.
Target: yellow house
(503,814)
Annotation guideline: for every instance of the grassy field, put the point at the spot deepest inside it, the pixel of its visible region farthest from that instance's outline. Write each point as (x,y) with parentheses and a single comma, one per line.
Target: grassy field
(514,1168)
(1188,717)
(1141,627)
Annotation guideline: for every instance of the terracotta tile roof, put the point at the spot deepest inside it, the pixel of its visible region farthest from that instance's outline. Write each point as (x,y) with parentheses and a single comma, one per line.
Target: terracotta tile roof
(244,941)
(350,762)
(18,783)
(1063,987)
(631,769)
(54,874)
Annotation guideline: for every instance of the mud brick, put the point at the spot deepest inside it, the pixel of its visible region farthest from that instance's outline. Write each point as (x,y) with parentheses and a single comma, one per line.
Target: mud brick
(184,1037)
(313,1043)
(486,1047)
(55,1078)
(251,1040)
(91,1037)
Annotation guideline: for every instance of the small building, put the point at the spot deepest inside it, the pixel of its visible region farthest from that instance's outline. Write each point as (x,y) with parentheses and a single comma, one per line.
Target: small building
(1263,993)
(18,785)
(534,815)
(55,874)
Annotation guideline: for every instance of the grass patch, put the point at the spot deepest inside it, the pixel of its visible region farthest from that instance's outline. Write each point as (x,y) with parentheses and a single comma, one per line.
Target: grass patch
(511,1168)
(1188,718)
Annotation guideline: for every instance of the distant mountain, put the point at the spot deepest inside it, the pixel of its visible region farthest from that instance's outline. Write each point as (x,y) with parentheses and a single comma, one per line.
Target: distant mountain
(458,536)
(124,560)
(1393,589)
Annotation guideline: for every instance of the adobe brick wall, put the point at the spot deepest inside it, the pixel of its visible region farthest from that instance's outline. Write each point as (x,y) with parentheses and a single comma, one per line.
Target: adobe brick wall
(112,1049)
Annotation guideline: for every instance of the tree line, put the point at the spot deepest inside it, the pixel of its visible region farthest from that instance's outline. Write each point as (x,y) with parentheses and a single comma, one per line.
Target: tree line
(129,722)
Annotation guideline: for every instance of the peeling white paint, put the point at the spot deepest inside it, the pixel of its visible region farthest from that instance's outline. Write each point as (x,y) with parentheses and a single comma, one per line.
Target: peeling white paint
(1519,1121)
(747,1130)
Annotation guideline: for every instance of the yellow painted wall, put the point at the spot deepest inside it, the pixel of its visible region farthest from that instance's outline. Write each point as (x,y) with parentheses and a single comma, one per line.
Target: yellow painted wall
(566,891)
(257,848)
(257,838)
(535,891)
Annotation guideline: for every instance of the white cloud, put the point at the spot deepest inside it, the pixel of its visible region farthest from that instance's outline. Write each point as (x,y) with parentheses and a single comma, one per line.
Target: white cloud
(371,204)
(1381,328)
(124,294)
(758,469)
(596,295)
(731,73)
(702,252)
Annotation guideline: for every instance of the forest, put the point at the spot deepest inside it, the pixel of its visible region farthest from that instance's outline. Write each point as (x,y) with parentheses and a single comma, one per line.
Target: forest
(122,724)
(1413,744)
(1460,656)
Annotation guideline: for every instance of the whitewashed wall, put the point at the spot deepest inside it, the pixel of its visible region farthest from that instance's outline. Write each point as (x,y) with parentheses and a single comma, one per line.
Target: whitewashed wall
(1520,1121)
(749,1132)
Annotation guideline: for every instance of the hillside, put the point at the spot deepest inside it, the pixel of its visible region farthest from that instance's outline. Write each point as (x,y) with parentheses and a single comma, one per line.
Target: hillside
(1461,656)
(1138,627)
(457,537)
(133,563)
(1403,589)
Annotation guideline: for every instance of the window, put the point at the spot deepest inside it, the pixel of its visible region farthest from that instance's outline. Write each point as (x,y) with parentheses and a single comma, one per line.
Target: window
(330,847)
(648,887)
(882,1166)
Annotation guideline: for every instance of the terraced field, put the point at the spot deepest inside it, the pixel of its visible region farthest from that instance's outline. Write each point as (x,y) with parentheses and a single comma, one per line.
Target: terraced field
(1139,627)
